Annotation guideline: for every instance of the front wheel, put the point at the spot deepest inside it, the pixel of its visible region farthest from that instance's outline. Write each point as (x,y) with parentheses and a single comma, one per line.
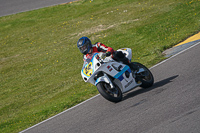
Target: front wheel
(111,94)
(145,75)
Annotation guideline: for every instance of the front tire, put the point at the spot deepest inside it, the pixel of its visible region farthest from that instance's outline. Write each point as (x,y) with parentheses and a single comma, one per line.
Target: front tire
(111,94)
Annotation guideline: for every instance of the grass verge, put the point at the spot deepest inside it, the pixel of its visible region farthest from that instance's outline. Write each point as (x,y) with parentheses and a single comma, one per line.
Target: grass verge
(40,64)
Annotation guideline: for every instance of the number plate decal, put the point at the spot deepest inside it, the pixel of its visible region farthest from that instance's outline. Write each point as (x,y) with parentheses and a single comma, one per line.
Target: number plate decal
(88,70)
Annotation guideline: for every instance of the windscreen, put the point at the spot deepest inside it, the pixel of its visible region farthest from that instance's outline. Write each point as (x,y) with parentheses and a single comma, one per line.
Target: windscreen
(88,60)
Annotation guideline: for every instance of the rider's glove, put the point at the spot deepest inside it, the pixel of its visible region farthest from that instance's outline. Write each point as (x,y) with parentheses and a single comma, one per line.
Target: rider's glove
(104,55)
(108,54)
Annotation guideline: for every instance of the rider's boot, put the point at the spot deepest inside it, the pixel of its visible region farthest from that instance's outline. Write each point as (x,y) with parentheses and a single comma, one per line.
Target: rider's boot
(130,64)
(119,56)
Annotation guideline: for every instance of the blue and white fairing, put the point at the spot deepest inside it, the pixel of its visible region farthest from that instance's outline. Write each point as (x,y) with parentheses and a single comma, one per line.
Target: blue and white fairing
(121,74)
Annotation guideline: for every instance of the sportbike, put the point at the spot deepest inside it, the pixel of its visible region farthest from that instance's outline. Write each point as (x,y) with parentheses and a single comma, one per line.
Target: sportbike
(113,78)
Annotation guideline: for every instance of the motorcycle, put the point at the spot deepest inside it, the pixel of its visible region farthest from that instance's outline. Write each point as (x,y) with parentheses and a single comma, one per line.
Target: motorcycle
(113,78)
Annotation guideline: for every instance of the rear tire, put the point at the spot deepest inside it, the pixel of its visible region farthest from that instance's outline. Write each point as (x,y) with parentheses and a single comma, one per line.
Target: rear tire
(113,95)
(145,77)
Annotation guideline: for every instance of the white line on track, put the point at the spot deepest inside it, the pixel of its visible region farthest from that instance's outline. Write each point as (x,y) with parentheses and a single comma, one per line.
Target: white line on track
(59,113)
(99,94)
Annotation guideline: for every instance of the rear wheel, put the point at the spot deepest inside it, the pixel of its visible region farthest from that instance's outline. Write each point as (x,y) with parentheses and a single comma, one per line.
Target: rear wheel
(111,94)
(145,76)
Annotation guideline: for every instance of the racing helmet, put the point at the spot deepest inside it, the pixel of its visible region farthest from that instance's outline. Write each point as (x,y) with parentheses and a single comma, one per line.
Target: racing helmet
(84,45)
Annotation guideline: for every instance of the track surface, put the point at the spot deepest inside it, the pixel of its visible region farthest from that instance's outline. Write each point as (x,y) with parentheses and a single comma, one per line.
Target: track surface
(172,105)
(8,7)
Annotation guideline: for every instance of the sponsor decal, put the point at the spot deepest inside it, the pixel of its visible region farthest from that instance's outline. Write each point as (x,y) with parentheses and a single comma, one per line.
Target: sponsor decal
(129,83)
(109,68)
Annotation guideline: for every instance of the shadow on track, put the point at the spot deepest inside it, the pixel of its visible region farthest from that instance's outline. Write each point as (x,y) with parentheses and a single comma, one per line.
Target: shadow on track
(155,85)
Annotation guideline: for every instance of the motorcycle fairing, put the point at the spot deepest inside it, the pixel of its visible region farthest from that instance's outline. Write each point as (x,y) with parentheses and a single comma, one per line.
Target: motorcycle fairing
(116,70)
(126,81)
(120,74)
(88,67)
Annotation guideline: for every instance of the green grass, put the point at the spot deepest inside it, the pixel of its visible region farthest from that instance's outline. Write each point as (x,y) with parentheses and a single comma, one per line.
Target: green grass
(40,64)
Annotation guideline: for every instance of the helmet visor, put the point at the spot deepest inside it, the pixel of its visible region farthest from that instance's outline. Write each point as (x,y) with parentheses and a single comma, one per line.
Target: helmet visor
(84,49)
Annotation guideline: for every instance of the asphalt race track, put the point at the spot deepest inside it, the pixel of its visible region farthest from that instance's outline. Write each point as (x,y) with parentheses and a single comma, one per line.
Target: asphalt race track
(8,7)
(172,105)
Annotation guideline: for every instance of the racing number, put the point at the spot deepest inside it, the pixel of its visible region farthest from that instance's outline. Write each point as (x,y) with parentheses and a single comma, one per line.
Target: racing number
(88,69)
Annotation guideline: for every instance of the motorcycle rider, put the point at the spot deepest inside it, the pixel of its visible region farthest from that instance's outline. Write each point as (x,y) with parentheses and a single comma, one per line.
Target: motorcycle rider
(85,46)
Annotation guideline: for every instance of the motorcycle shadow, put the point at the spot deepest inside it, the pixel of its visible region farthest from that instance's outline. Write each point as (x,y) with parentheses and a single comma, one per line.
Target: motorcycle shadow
(155,85)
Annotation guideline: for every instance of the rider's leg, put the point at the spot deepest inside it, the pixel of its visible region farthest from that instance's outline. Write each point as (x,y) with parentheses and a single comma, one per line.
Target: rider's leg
(119,56)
